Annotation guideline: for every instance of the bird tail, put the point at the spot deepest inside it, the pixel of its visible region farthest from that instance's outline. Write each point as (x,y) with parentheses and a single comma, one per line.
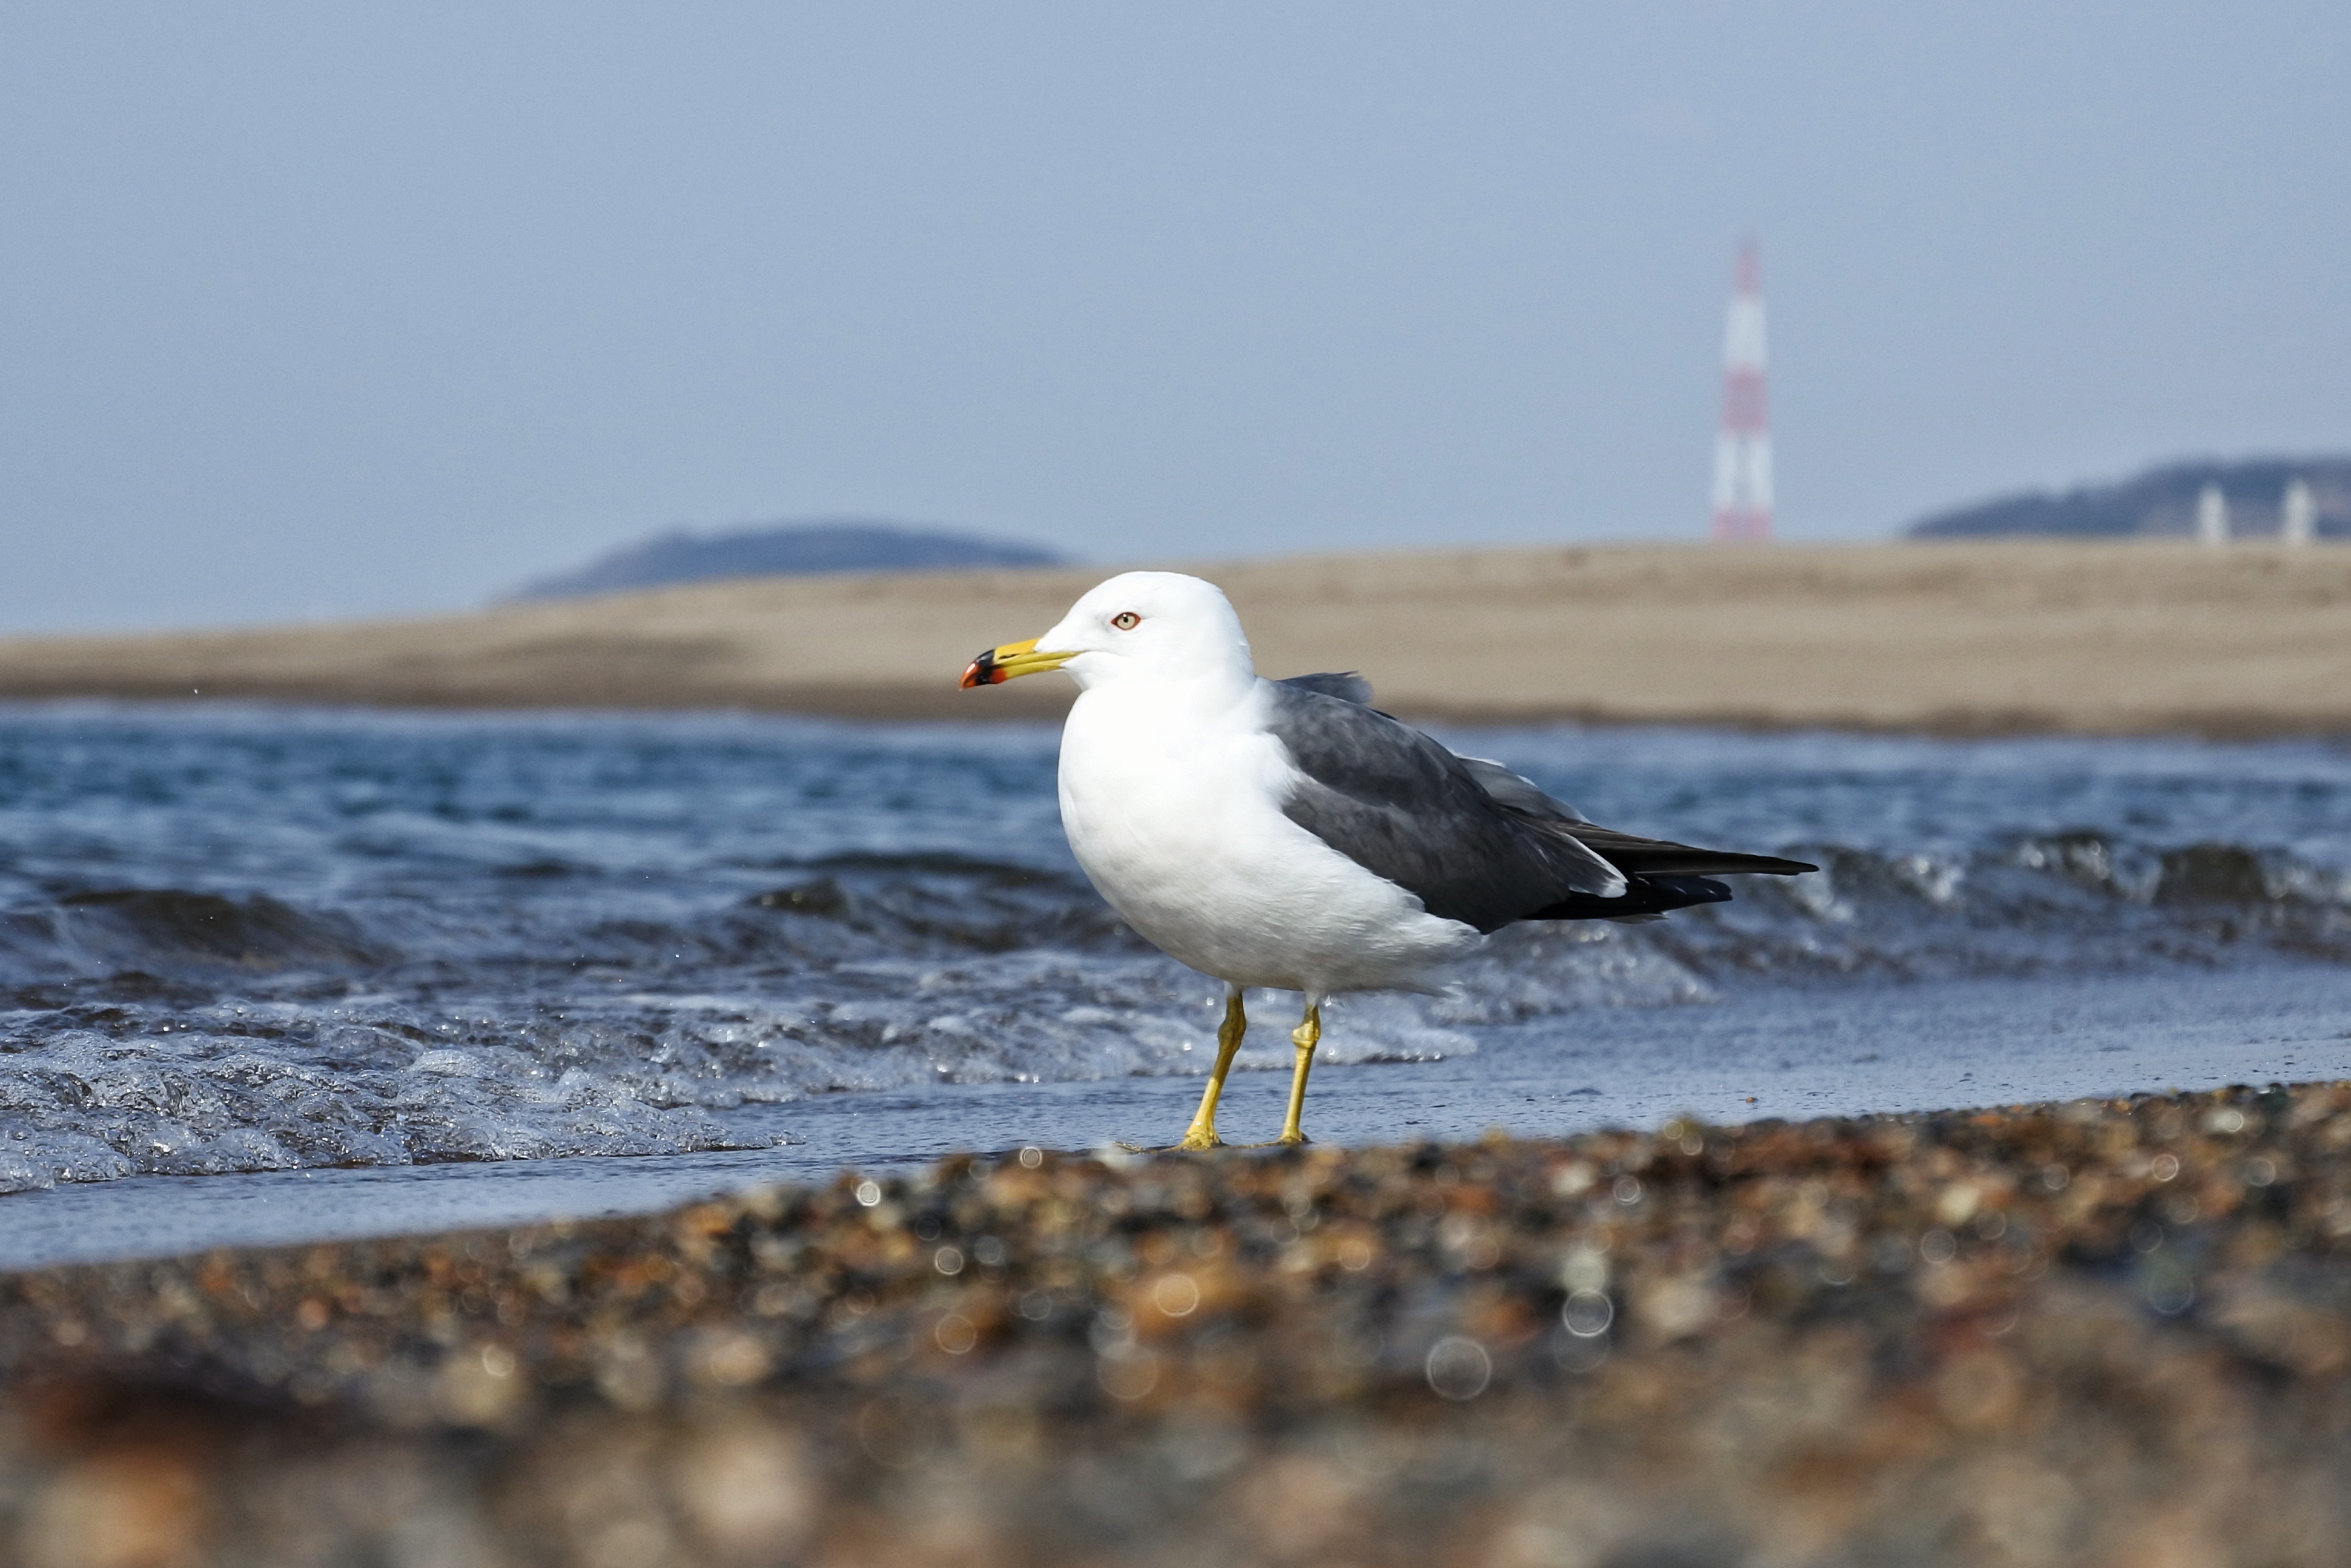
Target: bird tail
(1637,857)
(1644,897)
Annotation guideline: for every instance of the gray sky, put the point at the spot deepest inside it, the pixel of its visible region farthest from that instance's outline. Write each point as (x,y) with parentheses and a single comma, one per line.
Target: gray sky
(321,309)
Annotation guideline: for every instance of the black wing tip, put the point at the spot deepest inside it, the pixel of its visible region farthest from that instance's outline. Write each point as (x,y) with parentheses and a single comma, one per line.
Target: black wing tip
(1688,890)
(1642,896)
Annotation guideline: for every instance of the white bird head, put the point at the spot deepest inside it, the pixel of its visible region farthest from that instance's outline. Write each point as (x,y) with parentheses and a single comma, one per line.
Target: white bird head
(1147,624)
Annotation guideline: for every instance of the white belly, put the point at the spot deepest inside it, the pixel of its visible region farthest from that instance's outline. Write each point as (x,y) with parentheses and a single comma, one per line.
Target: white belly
(1176,820)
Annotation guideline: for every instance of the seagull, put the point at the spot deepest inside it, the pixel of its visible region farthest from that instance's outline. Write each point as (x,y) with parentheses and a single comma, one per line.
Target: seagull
(1287,835)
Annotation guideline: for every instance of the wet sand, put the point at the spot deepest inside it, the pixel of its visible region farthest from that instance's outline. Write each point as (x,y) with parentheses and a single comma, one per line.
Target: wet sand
(2097,1333)
(1964,637)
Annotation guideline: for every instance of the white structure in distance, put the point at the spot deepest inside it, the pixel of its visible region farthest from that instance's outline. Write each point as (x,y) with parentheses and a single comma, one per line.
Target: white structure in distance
(1743,447)
(2212,516)
(2298,515)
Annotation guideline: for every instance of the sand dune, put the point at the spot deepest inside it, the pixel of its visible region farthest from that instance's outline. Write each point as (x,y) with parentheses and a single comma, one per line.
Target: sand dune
(2106,638)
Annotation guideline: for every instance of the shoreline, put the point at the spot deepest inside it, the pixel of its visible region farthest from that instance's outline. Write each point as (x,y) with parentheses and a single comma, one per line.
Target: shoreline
(2102,1331)
(2013,637)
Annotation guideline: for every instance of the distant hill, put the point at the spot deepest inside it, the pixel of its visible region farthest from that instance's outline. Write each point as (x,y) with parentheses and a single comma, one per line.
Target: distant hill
(2161,501)
(782,550)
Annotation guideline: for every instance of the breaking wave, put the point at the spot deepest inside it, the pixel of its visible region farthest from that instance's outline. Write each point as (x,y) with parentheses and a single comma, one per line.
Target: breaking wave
(2067,902)
(269,940)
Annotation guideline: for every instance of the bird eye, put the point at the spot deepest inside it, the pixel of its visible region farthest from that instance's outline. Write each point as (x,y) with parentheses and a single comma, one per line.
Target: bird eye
(1126,620)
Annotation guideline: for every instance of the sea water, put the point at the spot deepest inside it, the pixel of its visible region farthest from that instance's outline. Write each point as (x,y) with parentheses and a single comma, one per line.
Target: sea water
(277,973)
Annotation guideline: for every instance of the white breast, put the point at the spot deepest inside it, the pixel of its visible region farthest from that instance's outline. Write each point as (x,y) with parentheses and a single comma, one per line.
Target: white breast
(1173,810)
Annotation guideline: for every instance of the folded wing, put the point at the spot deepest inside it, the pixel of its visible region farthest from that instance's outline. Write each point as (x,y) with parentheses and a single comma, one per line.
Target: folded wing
(1473,840)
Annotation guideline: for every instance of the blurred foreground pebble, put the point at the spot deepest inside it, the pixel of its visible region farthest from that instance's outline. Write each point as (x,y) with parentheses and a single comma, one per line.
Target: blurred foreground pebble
(2114,1333)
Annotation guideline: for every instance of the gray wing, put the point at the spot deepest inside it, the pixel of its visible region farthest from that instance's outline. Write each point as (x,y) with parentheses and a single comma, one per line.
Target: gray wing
(1345,685)
(1404,808)
(1518,793)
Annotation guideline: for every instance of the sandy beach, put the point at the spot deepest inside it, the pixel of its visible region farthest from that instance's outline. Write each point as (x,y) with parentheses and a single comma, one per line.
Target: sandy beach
(1955,637)
(2110,1333)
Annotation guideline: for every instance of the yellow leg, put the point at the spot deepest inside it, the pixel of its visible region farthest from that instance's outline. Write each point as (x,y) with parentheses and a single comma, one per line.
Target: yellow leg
(1305,1037)
(1202,1133)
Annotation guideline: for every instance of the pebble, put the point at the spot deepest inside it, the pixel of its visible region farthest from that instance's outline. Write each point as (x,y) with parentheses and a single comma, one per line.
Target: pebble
(2106,1331)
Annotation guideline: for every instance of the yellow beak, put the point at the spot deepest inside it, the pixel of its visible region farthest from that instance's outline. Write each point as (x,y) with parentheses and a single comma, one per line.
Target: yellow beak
(998,665)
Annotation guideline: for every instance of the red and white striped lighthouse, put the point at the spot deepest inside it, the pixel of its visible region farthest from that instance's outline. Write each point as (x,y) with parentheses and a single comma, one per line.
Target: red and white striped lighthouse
(1743,450)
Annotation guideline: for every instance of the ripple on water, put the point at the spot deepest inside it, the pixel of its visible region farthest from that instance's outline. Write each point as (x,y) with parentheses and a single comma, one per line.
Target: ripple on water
(252,938)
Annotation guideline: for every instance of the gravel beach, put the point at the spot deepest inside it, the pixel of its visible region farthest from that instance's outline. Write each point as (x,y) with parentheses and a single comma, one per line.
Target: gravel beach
(2097,1333)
